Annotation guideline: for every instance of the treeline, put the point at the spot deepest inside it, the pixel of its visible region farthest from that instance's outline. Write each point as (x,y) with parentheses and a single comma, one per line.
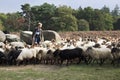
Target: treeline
(62,18)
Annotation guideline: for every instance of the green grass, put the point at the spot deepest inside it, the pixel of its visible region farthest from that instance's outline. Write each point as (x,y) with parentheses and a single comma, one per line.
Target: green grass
(51,72)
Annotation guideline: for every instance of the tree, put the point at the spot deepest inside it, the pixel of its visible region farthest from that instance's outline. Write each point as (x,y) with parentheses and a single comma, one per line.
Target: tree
(88,14)
(70,23)
(55,23)
(27,14)
(116,13)
(97,22)
(117,25)
(105,9)
(12,23)
(44,13)
(67,22)
(3,18)
(79,13)
(116,10)
(108,20)
(83,25)
(1,25)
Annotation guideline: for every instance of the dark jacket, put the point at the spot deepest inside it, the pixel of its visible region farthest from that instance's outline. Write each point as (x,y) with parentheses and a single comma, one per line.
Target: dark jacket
(38,35)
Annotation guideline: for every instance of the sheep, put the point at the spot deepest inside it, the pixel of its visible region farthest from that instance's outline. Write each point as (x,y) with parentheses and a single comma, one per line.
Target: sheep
(45,55)
(49,56)
(41,56)
(17,44)
(100,40)
(99,54)
(67,46)
(12,56)
(2,45)
(69,54)
(116,55)
(3,58)
(26,55)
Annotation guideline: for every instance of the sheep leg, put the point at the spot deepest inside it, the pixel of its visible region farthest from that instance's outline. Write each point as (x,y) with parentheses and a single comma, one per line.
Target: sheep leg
(67,62)
(118,61)
(89,60)
(18,62)
(61,62)
(101,62)
(25,62)
(33,60)
(113,62)
(47,61)
(93,61)
(85,60)
(79,61)
(51,61)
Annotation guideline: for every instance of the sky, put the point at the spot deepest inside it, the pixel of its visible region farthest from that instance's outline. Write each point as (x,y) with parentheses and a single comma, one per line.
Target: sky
(10,6)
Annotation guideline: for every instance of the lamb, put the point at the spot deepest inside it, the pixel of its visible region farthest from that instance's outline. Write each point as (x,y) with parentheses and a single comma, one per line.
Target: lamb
(99,54)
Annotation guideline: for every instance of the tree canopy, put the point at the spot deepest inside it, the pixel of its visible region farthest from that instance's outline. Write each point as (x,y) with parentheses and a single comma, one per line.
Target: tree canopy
(62,18)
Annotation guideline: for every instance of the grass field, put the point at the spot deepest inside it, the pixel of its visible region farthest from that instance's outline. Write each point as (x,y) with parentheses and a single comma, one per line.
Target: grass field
(52,72)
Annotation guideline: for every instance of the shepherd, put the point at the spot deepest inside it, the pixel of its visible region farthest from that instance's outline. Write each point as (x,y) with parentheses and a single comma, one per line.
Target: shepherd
(37,36)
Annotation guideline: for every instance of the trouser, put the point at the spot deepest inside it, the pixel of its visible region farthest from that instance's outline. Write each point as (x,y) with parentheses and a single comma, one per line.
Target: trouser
(37,40)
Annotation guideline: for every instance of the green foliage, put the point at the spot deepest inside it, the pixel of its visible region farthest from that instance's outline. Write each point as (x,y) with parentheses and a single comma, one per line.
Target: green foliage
(70,23)
(3,18)
(62,18)
(27,15)
(11,23)
(67,22)
(105,9)
(117,25)
(108,20)
(64,10)
(98,21)
(44,13)
(83,25)
(116,10)
(1,25)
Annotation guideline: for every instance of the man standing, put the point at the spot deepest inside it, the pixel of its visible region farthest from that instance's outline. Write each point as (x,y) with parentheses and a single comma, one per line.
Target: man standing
(37,35)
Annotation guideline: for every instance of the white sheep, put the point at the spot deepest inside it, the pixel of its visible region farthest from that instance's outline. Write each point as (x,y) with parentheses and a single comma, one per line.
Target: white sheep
(27,54)
(17,44)
(99,54)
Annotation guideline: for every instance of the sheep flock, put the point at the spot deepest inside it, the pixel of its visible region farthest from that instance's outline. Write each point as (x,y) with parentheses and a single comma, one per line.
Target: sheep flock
(86,50)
